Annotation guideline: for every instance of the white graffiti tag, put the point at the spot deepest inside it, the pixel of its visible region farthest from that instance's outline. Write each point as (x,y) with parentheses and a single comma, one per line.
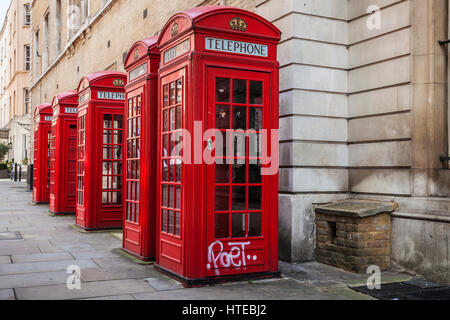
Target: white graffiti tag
(235,258)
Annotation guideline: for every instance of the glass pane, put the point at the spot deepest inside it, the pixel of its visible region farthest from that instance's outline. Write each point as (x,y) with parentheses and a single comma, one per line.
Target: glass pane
(239,91)
(177,197)
(179,91)
(172,119)
(255,145)
(256,118)
(240,118)
(107,153)
(256,92)
(240,145)
(104,197)
(239,198)
(254,224)
(171,196)
(222,226)
(170,222)
(104,182)
(239,173)
(166,146)
(118,122)
(222,198)
(254,173)
(172,93)
(238,227)
(222,89)
(117,155)
(137,214)
(164,221)
(254,198)
(179,118)
(178,172)
(164,195)
(177,223)
(171,170)
(107,121)
(222,117)
(166,95)
(166,121)
(165,173)
(222,173)
(107,136)
(106,168)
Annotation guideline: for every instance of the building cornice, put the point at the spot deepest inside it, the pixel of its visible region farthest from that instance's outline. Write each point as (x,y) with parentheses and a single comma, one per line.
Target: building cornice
(70,45)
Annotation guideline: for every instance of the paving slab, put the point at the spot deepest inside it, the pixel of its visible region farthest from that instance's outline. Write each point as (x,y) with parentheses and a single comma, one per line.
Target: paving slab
(18,250)
(44,266)
(88,290)
(93,254)
(116,273)
(39,257)
(7,294)
(116,261)
(164,284)
(115,298)
(32,279)
(5,259)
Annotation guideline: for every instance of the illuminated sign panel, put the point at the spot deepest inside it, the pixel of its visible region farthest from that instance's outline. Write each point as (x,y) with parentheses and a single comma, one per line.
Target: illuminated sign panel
(239,47)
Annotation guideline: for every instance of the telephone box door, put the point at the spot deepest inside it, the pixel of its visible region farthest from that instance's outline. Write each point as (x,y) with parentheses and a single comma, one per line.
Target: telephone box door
(133,219)
(238,196)
(171,174)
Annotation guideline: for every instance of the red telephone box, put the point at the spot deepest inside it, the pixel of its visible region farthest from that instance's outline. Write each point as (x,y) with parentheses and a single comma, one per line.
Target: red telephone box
(218,205)
(139,233)
(41,164)
(100,151)
(63,150)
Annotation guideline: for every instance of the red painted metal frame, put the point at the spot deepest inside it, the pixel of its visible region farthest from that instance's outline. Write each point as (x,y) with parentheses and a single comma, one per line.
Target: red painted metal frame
(41,173)
(187,256)
(63,153)
(139,233)
(92,212)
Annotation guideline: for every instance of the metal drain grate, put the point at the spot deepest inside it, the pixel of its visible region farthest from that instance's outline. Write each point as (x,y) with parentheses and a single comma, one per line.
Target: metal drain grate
(10,236)
(411,290)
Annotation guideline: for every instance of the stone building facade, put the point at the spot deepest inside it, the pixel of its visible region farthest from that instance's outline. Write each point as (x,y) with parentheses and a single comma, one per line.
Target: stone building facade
(15,65)
(363,103)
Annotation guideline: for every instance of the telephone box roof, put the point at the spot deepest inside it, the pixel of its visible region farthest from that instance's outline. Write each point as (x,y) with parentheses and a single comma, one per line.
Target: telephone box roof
(43,108)
(259,26)
(63,96)
(97,76)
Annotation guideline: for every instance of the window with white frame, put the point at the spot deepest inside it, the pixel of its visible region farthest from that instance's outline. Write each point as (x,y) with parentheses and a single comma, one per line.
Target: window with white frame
(27,55)
(26,100)
(27,14)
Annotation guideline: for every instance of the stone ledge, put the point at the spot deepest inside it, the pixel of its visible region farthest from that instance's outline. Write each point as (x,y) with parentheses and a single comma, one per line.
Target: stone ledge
(357,208)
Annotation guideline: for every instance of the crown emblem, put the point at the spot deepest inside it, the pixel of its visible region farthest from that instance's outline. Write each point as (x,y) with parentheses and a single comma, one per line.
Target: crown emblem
(174,30)
(238,24)
(119,83)
(136,54)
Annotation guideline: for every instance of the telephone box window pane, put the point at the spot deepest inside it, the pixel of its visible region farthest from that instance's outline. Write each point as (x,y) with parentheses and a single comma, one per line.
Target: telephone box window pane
(239,91)
(177,223)
(166,146)
(222,173)
(166,95)
(165,173)
(136,220)
(117,153)
(240,118)
(172,119)
(256,92)
(164,195)
(166,120)
(254,198)
(256,118)
(179,91)
(178,172)
(222,117)
(239,173)
(119,168)
(104,183)
(171,171)
(223,90)
(170,222)
(179,118)
(172,93)
(104,197)
(171,196)
(255,224)
(107,137)
(255,145)
(118,122)
(222,198)
(221,226)
(240,145)
(238,225)
(178,197)
(239,198)
(164,221)
(254,173)
(107,121)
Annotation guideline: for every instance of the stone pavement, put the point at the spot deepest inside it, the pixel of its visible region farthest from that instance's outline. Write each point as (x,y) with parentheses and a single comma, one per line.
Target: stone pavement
(35,266)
